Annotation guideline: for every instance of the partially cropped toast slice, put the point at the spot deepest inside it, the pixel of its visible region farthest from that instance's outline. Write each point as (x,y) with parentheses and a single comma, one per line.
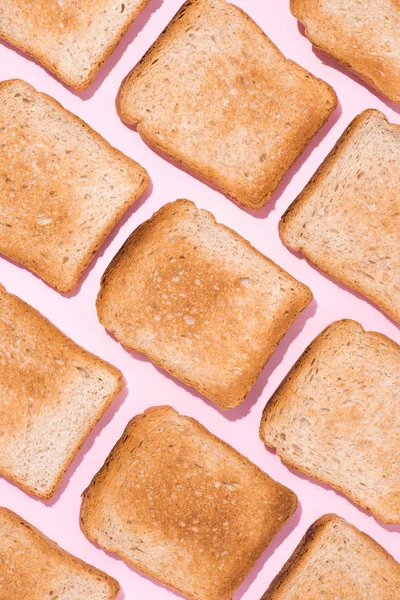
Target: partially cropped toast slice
(182,506)
(335,561)
(199,301)
(364,37)
(347,219)
(32,567)
(217,96)
(62,186)
(72,39)
(336,416)
(52,392)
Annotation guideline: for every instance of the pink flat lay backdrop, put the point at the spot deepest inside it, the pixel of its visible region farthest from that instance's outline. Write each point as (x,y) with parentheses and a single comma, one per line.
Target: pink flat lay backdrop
(145,384)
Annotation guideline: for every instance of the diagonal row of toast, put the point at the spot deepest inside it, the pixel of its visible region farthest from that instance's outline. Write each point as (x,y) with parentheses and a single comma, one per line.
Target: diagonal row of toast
(73,43)
(172,499)
(244,122)
(182,506)
(213,92)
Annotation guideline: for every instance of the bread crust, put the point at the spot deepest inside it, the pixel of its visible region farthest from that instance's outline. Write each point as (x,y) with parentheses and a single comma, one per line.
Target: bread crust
(47,59)
(49,551)
(41,330)
(255,192)
(288,220)
(121,274)
(295,560)
(368,61)
(194,438)
(286,395)
(307,546)
(65,281)
(341,145)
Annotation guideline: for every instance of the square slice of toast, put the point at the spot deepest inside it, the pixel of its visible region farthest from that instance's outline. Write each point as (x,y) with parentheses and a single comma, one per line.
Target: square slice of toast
(72,39)
(347,219)
(52,393)
(336,561)
(32,567)
(199,301)
(217,96)
(182,506)
(336,416)
(362,37)
(62,186)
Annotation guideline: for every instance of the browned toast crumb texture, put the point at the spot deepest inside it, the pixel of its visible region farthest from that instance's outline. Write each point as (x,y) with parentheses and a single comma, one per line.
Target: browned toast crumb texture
(70,38)
(216,95)
(52,393)
(199,301)
(179,504)
(36,568)
(62,186)
(335,416)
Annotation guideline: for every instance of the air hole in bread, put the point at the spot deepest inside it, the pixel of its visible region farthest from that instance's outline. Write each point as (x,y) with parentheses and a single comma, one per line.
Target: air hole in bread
(83,371)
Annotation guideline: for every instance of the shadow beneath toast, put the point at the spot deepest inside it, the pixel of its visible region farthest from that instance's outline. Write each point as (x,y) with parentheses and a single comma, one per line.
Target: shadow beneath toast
(81,452)
(137,26)
(263,212)
(245,407)
(391,528)
(88,444)
(178,165)
(100,252)
(110,238)
(333,64)
(344,287)
(297,165)
(143,358)
(275,360)
(277,541)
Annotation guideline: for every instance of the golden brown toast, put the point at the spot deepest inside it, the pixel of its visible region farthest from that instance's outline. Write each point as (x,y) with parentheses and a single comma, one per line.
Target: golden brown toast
(217,96)
(179,504)
(62,186)
(199,301)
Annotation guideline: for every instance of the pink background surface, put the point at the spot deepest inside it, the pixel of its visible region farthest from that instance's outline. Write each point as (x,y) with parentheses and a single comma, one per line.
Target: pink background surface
(145,384)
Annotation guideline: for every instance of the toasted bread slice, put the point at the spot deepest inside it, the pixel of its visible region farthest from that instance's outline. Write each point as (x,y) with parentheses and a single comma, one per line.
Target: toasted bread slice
(217,96)
(336,560)
(199,301)
(336,416)
(52,393)
(62,186)
(182,506)
(71,39)
(364,38)
(32,567)
(347,219)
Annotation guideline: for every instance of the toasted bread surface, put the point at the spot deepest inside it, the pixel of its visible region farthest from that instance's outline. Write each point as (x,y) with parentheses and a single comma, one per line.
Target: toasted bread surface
(52,393)
(217,96)
(347,219)
(32,567)
(182,506)
(364,37)
(336,560)
(62,186)
(199,301)
(68,37)
(336,415)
